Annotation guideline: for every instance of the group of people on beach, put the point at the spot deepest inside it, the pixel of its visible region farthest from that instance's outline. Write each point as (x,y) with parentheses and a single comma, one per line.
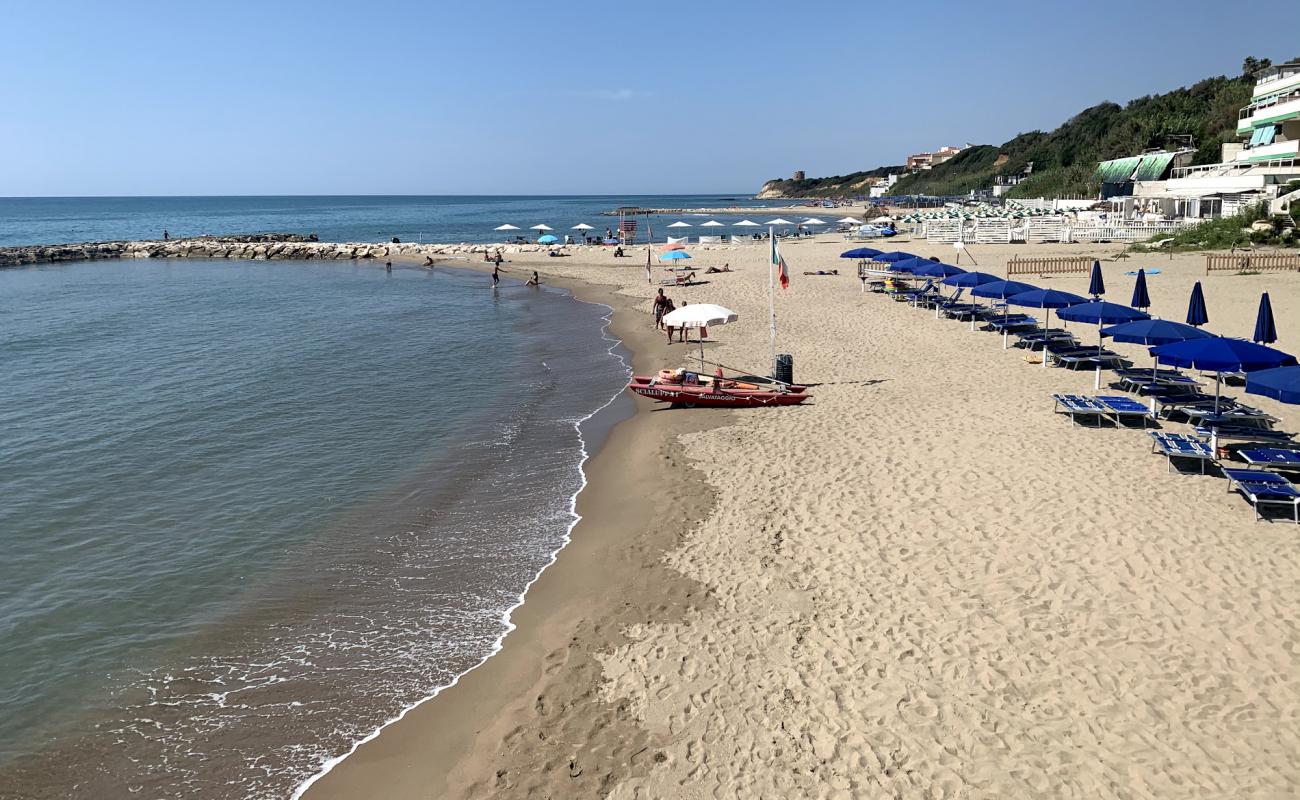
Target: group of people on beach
(496,277)
(662,306)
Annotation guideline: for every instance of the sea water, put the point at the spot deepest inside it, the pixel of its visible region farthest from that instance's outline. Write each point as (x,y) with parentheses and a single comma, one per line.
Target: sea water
(250,511)
(59,220)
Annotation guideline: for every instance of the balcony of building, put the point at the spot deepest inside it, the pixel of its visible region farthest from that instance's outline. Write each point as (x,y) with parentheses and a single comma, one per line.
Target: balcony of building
(1283,77)
(1274,108)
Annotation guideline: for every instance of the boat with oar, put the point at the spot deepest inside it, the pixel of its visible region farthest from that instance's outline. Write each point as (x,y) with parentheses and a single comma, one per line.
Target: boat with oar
(690,390)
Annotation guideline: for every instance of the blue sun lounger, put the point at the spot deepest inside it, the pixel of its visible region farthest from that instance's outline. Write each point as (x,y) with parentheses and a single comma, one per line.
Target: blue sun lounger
(1275,457)
(1245,432)
(1122,408)
(1181,445)
(1077,405)
(1264,488)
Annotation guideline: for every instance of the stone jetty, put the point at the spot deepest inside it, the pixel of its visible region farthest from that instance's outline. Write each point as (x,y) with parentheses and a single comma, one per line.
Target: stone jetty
(257,247)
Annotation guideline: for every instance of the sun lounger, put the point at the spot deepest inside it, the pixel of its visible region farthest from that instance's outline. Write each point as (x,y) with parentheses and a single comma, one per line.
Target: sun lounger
(1122,408)
(1275,457)
(1249,433)
(1264,488)
(1077,405)
(1090,357)
(1012,322)
(1181,445)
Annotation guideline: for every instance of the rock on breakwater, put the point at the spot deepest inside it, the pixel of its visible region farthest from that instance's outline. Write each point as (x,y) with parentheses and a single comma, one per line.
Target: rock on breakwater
(259,248)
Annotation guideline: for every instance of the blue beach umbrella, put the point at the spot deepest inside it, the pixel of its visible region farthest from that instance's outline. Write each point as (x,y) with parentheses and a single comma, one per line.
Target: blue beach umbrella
(547,239)
(1046,299)
(891,257)
(969,280)
(1219,354)
(860,252)
(1099,312)
(1140,297)
(1265,330)
(910,265)
(1196,313)
(937,269)
(674,255)
(1096,286)
(1001,290)
(1280,383)
(1153,332)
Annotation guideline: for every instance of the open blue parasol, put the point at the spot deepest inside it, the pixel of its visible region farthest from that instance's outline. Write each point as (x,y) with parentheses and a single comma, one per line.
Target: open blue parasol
(1046,299)
(1001,290)
(1280,383)
(860,252)
(969,280)
(1099,312)
(1153,332)
(891,257)
(1219,354)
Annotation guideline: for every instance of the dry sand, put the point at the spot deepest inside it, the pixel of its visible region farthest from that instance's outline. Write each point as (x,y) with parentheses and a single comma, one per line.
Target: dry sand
(923,584)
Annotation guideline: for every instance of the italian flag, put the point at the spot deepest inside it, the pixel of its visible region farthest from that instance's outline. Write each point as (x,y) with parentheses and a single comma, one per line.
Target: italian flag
(782,274)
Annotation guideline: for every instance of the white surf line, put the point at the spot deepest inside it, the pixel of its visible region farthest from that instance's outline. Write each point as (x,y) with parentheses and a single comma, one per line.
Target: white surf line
(506,618)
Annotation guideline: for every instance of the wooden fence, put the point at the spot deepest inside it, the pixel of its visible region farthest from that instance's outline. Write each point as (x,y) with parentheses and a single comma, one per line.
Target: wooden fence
(1251,262)
(1064,265)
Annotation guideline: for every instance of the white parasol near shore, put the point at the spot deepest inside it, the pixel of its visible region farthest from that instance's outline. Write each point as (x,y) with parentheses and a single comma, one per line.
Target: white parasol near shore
(849,221)
(542,227)
(506,227)
(700,315)
(582,226)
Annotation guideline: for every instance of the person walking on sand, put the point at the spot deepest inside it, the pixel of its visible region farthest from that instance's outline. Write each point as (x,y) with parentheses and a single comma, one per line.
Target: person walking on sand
(661,302)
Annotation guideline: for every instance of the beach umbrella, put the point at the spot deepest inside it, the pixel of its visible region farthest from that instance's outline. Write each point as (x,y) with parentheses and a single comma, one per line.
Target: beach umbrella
(582,226)
(860,252)
(910,265)
(848,220)
(936,269)
(1153,332)
(1220,354)
(896,255)
(969,280)
(1196,313)
(679,224)
(778,221)
(506,227)
(672,246)
(813,221)
(713,223)
(1140,297)
(1281,384)
(547,239)
(1046,299)
(1001,290)
(541,228)
(674,255)
(700,315)
(745,223)
(1099,312)
(1265,330)
(1096,286)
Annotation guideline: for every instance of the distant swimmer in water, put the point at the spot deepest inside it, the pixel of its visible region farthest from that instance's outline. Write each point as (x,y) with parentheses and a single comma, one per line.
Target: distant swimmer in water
(496,276)
(388,266)
(536,281)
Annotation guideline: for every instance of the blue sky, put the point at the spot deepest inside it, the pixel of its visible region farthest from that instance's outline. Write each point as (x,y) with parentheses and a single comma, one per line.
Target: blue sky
(486,97)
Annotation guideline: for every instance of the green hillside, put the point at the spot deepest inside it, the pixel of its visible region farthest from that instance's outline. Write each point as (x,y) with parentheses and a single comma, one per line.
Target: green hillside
(1203,115)
(835,186)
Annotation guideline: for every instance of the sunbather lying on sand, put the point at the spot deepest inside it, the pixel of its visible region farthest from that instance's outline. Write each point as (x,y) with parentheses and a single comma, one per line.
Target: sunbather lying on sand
(824,272)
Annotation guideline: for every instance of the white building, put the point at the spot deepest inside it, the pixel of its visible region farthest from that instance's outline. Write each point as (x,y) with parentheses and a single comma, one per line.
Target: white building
(1252,170)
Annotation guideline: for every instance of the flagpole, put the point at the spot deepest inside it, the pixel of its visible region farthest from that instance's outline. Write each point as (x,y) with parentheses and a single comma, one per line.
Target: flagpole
(771,295)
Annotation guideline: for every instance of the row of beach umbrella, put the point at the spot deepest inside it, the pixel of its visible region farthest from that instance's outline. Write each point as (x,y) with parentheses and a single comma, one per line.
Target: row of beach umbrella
(1269,372)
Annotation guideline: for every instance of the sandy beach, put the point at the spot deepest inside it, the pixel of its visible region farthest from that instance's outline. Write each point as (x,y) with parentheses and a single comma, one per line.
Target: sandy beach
(925,583)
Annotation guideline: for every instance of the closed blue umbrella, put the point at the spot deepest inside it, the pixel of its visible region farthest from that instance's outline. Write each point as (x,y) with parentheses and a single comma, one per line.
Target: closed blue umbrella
(1196,313)
(1280,383)
(1219,354)
(1001,290)
(1265,330)
(970,280)
(1099,312)
(1140,297)
(1047,299)
(1096,286)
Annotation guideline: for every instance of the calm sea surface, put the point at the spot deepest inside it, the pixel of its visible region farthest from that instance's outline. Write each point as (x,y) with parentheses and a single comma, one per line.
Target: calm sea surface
(58,220)
(252,510)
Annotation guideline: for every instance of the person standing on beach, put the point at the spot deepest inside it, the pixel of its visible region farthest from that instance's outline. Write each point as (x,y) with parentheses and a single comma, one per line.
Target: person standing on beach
(661,303)
(496,275)
(166,235)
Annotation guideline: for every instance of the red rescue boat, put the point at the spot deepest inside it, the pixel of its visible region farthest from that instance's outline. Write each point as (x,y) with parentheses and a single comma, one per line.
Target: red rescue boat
(689,390)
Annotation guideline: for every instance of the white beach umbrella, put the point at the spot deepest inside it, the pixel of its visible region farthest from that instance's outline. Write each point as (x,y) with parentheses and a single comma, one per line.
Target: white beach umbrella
(778,221)
(582,226)
(680,224)
(848,220)
(813,221)
(883,219)
(542,228)
(700,315)
(506,227)
(713,223)
(744,223)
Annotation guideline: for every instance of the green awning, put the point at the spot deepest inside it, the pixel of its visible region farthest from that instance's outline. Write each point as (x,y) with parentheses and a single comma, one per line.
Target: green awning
(1263,135)
(1153,166)
(1117,170)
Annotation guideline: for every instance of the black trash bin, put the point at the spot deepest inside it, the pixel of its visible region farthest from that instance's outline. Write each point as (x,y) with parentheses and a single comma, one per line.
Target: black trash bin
(783,369)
